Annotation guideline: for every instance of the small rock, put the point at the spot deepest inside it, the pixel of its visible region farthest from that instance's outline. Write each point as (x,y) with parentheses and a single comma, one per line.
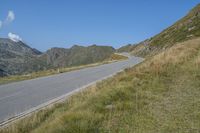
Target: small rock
(109,106)
(191,28)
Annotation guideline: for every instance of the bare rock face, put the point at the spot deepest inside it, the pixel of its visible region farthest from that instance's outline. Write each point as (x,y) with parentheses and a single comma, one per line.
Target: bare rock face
(55,57)
(14,56)
(19,48)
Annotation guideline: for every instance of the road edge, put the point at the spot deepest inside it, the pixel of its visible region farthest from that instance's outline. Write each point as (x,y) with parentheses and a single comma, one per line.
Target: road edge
(59,99)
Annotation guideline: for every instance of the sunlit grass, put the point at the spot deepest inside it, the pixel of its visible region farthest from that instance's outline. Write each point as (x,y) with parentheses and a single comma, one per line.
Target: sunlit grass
(160,95)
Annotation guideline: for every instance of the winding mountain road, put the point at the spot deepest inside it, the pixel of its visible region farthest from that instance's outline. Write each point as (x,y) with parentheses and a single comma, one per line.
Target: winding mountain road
(25,96)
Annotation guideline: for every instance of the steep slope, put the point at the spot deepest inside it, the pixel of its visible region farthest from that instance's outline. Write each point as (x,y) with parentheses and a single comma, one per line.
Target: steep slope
(77,55)
(185,29)
(19,48)
(14,56)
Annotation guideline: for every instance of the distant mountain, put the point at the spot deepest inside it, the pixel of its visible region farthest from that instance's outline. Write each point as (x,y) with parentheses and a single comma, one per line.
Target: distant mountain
(9,47)
(185,29)
(77,55)
(2,73)
(14,56)
(18,57)
(126,48)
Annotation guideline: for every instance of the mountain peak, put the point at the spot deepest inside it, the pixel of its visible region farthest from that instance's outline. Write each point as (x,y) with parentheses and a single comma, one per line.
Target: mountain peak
(17,47)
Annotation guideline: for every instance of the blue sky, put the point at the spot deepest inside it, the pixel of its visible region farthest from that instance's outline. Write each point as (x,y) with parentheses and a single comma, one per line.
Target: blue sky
(43,24)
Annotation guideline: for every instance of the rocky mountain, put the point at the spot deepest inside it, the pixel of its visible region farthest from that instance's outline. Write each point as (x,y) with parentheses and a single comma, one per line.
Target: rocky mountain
(185,29)
(19,48)
(77,55)
(14,56)
(18,58)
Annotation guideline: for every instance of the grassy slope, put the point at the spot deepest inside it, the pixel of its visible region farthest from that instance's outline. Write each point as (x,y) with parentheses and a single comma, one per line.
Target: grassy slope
(159,95)
(14,78)
(185,29)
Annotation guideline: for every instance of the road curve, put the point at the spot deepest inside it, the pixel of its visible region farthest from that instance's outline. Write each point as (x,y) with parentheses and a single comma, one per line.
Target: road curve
(19,97)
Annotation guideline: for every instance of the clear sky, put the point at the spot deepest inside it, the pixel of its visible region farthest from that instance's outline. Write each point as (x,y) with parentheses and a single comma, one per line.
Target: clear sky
(43,24)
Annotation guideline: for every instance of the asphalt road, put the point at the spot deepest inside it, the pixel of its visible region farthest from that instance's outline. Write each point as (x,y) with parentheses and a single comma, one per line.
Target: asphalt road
(22,96)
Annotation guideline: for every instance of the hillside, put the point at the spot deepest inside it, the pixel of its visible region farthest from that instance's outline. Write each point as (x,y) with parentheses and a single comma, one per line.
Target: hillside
(19,58)
(159,95)
(77,55)
(15,56)
(19,48)
(185,29)
(126,48)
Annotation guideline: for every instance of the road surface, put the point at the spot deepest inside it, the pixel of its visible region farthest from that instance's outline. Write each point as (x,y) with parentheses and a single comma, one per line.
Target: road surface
(19,97)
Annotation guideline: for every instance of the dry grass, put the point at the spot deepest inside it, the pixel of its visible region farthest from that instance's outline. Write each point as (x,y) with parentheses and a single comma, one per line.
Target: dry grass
(160,95)
(178,54)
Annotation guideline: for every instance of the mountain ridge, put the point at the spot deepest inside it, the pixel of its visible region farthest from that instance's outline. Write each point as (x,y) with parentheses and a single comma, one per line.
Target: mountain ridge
(77,55)
(19,58)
